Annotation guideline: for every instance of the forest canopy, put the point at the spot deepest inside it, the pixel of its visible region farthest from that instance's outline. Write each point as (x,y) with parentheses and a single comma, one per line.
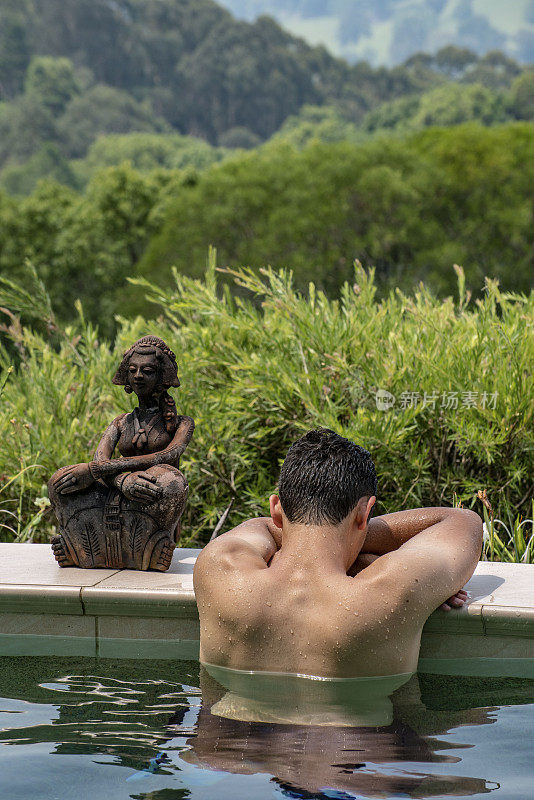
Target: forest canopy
(411,205)
(134,135)
(73,71)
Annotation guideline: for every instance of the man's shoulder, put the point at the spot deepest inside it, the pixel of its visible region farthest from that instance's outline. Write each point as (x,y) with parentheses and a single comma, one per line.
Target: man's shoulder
(216,554)
(243,548)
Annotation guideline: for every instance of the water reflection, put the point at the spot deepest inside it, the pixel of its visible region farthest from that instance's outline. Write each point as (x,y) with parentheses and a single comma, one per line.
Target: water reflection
(335,761)
(150,726)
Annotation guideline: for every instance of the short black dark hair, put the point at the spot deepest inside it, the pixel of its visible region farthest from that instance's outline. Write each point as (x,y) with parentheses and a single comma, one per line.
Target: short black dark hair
(323,477)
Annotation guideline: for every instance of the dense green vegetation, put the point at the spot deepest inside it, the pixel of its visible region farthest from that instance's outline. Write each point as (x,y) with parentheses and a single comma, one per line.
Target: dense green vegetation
(77,70)
(138,112)
(187,62)
(411,205)
(83,246)
(254,378)
(108,101)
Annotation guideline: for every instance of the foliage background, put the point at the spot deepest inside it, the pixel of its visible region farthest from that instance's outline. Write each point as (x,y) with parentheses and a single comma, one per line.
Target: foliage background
(135,134)
(256,376)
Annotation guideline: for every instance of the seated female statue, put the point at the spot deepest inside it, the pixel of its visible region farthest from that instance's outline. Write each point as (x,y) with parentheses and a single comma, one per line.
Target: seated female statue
(125,512)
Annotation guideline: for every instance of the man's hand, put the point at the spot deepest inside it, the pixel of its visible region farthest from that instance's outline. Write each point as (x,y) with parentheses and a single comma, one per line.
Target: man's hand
(456,601)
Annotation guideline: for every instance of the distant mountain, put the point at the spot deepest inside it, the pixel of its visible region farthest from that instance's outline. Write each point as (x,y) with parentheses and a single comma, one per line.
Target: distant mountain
(186,63)
(72,71)
(390,31)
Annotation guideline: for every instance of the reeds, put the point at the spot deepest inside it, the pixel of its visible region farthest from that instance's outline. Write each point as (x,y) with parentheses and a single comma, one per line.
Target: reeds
(261,366)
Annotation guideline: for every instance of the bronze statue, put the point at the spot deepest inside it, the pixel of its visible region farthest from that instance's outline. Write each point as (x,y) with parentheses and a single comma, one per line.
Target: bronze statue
(125,512)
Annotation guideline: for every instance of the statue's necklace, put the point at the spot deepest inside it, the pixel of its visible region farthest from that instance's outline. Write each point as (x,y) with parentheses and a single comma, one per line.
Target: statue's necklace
(140,437)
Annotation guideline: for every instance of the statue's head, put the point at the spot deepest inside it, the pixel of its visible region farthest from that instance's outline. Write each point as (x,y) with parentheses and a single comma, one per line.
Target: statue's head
(148,367)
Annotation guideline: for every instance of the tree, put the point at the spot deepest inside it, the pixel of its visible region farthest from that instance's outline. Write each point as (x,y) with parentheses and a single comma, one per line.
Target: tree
(45,163)
(52,82)
(324,123)
(495,70)
(454,61)
(239,137)
(522,96)
(453,104)
(412,206)
(83,246)
(446,105)
(24,125)
(149,151)
(103,110)
(104,234)
(14,50)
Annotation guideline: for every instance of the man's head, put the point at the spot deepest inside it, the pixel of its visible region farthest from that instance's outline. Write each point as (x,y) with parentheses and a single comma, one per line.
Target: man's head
(323,479)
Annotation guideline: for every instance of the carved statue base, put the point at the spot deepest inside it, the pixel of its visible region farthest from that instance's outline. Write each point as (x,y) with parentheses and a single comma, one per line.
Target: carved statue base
(99,527)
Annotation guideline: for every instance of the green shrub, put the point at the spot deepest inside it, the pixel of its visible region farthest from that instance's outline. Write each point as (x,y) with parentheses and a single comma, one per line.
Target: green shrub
(256,375)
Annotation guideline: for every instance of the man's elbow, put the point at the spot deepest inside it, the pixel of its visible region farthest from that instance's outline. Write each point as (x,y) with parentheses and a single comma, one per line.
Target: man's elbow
(471,523)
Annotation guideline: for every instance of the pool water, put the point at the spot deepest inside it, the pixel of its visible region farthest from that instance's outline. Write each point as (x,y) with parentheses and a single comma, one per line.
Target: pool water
(102,729)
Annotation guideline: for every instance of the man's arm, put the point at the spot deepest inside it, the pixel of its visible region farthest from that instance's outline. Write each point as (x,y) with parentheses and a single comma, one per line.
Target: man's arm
(430,552)
(390,531)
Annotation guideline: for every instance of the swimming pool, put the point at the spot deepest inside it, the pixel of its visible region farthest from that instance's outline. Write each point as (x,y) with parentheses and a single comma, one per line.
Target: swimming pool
(142,730)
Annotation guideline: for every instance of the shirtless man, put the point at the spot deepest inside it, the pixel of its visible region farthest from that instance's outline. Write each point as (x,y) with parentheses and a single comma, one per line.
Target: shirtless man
(300,592)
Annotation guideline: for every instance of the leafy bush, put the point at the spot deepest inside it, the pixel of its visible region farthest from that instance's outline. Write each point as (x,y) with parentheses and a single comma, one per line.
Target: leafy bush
(256,375)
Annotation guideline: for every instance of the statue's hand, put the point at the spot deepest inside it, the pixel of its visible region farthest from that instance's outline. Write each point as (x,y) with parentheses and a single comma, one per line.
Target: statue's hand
(141,487)
(73,479)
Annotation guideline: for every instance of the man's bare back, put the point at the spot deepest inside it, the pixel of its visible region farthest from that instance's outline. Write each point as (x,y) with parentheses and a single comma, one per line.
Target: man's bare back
(286,596)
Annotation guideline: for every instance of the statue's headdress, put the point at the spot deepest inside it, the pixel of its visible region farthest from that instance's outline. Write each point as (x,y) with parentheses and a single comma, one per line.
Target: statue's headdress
(148,345)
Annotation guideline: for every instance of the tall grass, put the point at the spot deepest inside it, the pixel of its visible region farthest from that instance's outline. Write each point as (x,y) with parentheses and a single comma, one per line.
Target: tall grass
(261,367)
